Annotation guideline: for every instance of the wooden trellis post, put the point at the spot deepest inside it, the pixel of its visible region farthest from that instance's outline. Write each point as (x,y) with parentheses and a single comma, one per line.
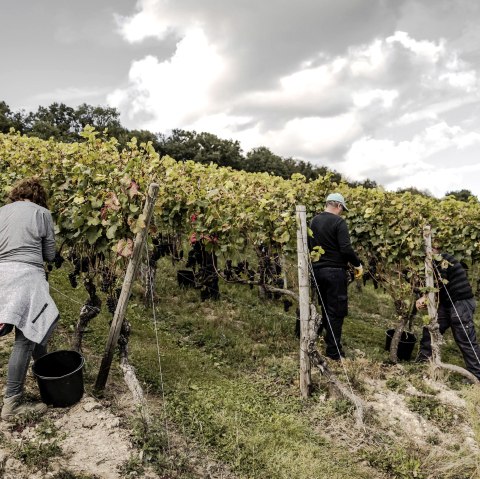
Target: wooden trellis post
(435,335)
(304,300)
(121,309)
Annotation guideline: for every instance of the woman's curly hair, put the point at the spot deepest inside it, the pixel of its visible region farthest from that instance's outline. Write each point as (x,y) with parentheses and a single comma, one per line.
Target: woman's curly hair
(29,189)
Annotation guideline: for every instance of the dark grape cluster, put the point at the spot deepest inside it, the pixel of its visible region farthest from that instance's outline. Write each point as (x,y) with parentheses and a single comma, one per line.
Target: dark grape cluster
(164,245)
(191,259)
(242,267)
(58,260)
(287,304)
(371,273)
(251,277)
(72,277)
(228,271)
(111,304)
(240,270)
(108,280)
(80,264)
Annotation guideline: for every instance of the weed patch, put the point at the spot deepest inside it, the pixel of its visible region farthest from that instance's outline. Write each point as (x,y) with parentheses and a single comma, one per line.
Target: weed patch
(66,474)
(400,462)
(37,453)
(432,409)
(397,384)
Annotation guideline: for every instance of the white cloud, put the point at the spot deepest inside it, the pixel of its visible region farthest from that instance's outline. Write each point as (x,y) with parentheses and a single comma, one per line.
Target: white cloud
(429,51)
(436,182)
(433,111)
(368,156)
(149,21)
(382,109)
(362,99)
(465,80)
(313,136)
(412,163)
(172,93)
(367,60)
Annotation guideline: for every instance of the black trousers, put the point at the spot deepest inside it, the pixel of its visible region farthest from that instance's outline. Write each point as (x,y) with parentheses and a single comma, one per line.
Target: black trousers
(459,317)
(331,285)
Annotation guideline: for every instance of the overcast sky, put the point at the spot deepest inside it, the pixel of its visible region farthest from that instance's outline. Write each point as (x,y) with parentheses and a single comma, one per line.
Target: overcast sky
(381,89)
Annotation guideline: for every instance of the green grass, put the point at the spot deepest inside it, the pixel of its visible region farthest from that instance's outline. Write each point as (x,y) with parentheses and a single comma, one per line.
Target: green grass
(230,375)
(228,370)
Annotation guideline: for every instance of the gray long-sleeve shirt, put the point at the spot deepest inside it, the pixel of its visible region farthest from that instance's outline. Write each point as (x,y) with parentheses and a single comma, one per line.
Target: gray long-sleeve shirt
(26,234)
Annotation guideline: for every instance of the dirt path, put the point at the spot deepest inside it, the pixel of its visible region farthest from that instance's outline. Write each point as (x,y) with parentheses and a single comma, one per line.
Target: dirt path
(89,435)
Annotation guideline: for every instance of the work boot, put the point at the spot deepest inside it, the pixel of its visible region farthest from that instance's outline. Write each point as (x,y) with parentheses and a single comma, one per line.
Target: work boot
(14,406)
(422,358)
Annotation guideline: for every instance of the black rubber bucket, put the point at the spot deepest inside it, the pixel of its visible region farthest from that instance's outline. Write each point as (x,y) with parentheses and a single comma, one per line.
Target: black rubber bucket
(405,346)
(60,377)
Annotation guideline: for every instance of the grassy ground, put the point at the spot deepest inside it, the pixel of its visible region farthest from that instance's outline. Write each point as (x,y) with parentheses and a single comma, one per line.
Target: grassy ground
(228,373)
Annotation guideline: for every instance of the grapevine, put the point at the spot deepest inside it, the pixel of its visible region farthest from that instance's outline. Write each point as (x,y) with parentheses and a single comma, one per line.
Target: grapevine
(97,193)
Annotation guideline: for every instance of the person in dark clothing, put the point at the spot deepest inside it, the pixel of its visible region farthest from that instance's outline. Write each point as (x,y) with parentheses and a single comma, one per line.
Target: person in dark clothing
(330,231)
(456,307)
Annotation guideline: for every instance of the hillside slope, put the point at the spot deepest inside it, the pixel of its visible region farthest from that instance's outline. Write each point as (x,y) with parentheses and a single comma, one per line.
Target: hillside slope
(221,381)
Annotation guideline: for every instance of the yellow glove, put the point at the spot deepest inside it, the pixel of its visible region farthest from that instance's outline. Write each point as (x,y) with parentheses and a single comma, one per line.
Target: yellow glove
(421,303)
(358,272)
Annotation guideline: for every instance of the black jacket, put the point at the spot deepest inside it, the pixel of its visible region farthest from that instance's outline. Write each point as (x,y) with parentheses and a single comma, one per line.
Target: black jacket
(331,233)
(457,286)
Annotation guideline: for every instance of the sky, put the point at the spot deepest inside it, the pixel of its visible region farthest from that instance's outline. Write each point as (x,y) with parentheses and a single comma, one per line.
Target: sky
(386,90)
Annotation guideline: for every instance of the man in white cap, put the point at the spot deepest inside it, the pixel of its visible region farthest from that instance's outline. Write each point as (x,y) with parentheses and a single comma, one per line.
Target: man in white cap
(330,231)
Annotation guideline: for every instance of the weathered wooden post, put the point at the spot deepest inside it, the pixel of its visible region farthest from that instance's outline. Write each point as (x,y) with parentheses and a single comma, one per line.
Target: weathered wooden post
(126,290)
(435,335)
(304,300)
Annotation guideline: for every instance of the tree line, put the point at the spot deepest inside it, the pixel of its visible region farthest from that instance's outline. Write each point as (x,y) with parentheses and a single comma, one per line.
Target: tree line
(64,123)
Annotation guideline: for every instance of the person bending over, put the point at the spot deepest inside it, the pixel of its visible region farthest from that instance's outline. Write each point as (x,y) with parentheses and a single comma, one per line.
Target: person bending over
(456,308)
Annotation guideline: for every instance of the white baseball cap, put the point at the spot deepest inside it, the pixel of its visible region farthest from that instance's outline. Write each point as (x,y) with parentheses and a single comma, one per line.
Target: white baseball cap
(338,198)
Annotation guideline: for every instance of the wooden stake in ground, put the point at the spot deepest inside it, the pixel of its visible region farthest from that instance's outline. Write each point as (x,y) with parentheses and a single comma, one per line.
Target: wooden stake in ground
(304,300)
(431,303)
(126,290)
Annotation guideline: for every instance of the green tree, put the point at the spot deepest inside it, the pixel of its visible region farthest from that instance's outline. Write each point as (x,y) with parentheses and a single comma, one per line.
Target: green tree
(461,195)
(203,147)
(415,191)
(57,121)
(368,184)
(143,136)
(335,175)
(261,159)
(308,170)
(101,118)
(9,119)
